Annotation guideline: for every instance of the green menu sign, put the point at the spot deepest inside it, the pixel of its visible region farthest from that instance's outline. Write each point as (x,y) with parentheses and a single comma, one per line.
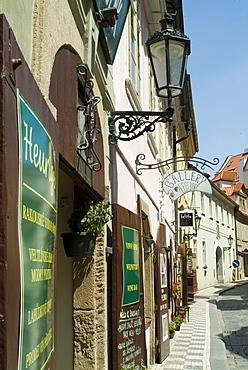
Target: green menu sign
(131,273)
(37,229)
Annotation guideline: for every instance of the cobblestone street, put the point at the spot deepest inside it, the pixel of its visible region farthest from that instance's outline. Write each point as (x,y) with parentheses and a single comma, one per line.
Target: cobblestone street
(216,335)
(233,305)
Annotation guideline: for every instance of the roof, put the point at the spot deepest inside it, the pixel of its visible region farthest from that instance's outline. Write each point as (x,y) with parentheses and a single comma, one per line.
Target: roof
(230,190)
(225,175)
(232,163)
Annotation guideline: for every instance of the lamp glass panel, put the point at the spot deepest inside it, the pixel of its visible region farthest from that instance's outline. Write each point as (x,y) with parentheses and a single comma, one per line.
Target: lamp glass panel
(230,240)
(197,222)
(176,63)
(158,54)
(176,53)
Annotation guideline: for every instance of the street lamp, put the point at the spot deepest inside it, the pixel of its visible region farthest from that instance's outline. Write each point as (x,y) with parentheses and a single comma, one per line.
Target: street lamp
(187,237)
(230,243)
(167,50)
(230,240)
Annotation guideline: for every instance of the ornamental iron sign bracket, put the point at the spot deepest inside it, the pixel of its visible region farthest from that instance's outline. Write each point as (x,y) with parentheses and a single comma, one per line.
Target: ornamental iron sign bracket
(180,182)
(168,163)
(87,121)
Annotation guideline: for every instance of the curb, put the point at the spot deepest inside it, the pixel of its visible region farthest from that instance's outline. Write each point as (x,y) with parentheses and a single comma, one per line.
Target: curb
(218,359)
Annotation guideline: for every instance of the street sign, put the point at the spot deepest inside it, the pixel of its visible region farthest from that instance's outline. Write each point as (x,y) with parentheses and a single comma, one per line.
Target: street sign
(236,263)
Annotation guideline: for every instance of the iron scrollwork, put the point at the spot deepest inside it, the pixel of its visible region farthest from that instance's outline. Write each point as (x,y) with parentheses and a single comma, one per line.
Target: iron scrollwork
(168,162)
(129,125)
(87,126)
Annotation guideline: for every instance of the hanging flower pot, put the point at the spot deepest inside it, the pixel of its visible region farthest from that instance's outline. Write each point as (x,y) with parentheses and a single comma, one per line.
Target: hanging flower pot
(86,223)
(172,334)
(79,244)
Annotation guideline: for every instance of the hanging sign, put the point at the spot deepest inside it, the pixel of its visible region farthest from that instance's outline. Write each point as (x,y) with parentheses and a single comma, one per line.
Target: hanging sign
(182,182)
(186,218)
(37,230)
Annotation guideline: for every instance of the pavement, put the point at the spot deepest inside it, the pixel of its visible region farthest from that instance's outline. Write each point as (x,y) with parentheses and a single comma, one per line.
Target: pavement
(201,342)
(233,305)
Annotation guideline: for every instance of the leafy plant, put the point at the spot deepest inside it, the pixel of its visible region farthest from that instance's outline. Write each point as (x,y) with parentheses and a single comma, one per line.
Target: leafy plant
(178,320)
(182,311)
(172,326)
(141,364)
(90,218)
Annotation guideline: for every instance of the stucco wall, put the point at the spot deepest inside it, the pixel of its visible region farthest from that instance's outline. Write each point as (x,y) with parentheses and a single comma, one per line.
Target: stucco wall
(41,28)
(20,17)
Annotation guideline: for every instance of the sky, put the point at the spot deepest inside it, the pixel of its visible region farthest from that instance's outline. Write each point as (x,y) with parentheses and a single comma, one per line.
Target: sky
(218,66)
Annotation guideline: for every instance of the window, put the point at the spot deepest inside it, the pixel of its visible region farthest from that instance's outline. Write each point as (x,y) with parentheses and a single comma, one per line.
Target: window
(134,46)
(216,211)
(194,246)
(222,214)
(242,204)
(204,253)
(228,218)
(202,203)
(210,207)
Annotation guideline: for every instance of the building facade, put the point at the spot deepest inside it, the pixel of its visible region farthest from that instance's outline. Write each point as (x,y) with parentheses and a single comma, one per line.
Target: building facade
(67,68)
(232,180)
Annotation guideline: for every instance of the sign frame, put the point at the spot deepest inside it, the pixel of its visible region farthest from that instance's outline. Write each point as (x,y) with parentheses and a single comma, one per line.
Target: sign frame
(186,218)
(128,320)
(37,232)
(184,181)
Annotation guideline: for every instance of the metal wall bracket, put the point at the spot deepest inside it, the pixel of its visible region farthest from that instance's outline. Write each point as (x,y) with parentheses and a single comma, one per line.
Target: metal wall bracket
(87,126)
(128,125)
(170,162)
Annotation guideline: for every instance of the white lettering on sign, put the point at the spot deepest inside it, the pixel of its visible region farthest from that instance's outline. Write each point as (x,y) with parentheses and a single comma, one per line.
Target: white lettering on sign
(182,182)
(35,156)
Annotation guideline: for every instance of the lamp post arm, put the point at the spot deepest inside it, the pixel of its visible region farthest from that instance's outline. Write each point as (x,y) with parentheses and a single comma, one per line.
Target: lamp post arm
(128,125)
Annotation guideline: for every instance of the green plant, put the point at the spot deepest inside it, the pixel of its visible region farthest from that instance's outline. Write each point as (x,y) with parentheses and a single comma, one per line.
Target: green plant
(90,217)
(141,363)
(182,311)
(178,320)
(172,326)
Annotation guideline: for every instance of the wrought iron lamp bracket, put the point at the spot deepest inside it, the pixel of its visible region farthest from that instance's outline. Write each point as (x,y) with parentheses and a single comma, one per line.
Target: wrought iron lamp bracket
(168,162)
(128,125)
(188,237)
(226,249)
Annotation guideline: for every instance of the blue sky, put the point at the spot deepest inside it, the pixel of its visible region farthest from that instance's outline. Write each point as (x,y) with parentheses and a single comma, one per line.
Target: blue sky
(218,65)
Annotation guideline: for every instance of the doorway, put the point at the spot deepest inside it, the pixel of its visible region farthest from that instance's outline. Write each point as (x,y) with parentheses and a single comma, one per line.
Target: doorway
(219,265)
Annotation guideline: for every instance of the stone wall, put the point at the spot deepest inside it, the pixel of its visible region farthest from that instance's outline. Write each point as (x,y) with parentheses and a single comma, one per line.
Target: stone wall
(90,311)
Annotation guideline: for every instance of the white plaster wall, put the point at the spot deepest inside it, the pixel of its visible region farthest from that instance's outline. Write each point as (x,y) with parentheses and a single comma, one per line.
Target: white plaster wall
(214,232)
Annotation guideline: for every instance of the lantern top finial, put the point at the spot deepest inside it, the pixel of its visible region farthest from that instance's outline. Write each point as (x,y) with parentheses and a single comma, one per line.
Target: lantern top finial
(167,22)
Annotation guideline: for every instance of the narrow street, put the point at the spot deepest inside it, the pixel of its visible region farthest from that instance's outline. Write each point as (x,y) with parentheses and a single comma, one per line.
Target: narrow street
(233,311)
(215,337)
